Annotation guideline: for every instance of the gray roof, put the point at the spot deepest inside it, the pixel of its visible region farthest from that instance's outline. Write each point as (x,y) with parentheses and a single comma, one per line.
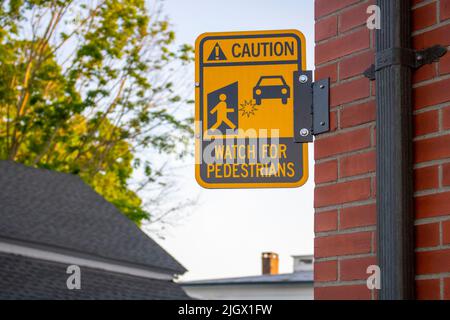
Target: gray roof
(26,278)
(286,278)
(60,211)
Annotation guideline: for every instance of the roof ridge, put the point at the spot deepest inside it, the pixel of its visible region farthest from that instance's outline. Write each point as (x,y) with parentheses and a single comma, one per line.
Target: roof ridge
(66,212)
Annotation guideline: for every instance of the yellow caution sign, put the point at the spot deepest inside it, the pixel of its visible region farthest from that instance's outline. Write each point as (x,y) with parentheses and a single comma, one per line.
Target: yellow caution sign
(245,110)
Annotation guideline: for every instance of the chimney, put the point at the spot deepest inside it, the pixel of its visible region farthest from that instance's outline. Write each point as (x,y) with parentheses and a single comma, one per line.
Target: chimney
(269,263)
(303,263)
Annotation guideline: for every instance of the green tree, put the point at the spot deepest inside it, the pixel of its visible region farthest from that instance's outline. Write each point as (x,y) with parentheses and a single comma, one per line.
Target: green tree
(85,87)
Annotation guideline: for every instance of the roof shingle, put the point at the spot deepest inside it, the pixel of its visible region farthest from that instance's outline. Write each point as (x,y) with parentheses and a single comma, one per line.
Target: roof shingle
(27,278)
(60,210)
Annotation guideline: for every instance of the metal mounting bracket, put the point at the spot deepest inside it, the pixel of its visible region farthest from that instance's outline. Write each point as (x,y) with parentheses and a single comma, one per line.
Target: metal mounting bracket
(311,106)
(406,57)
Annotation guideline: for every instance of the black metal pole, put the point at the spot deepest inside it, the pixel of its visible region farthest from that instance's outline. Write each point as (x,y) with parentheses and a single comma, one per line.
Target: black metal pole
(395,211)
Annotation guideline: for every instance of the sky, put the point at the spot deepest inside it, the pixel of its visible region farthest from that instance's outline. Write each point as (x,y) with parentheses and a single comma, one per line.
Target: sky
(227,231)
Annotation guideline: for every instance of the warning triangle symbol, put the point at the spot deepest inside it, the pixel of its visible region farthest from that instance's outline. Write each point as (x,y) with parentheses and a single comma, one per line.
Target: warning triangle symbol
(217,54)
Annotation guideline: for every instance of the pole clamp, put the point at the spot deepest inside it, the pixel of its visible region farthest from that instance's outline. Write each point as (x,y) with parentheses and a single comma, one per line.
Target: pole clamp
(405,57)
(311,106)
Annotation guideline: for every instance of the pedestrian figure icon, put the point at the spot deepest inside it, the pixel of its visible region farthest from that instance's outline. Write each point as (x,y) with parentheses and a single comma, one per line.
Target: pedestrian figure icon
(222,113)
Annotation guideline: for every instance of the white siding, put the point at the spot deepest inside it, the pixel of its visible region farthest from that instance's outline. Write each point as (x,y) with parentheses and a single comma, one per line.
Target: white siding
(252,292)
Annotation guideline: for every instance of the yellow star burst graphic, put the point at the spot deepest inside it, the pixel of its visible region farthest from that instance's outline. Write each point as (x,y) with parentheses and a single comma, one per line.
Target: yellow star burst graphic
(248,108)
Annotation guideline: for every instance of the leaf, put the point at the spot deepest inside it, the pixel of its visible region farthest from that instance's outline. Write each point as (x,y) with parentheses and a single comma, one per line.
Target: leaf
(97,104)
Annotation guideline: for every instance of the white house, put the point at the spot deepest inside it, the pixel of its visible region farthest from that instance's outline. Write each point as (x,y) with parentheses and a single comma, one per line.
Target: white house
(54,227)
(271,285)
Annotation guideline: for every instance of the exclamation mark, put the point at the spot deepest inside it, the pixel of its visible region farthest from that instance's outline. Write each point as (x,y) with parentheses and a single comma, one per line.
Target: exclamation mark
(216,48)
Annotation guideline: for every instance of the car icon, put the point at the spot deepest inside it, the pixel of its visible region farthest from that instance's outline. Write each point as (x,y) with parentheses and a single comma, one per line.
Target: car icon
(271,87)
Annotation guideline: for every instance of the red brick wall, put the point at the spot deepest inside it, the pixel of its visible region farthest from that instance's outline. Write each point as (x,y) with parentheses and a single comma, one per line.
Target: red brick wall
(431,25)
(345,199)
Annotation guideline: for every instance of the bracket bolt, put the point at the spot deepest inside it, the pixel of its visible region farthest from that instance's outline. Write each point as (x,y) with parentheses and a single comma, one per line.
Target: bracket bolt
(304,132)
(197,84)
(303,78)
